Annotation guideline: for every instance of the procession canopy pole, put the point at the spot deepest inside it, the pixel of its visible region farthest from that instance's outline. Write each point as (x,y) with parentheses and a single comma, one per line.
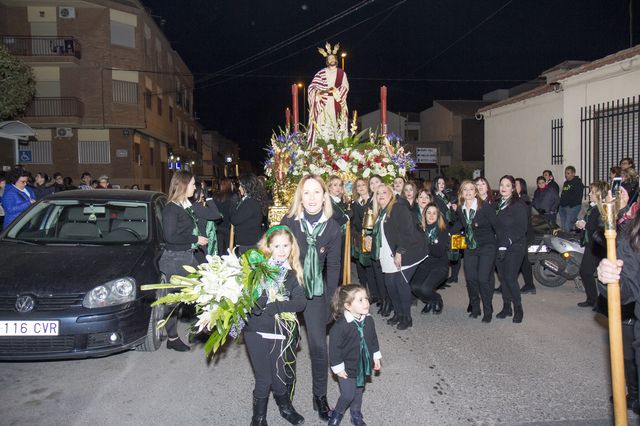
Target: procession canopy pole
(609,215)
(231,237)
(346,264)
(383,109)
(287,116)
(294,106)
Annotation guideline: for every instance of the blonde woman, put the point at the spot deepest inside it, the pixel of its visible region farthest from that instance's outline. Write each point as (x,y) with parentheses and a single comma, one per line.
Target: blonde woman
(318,236)
(182,238)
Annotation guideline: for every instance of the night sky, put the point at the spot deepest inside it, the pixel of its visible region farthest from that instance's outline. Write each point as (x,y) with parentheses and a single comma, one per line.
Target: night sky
(420,49)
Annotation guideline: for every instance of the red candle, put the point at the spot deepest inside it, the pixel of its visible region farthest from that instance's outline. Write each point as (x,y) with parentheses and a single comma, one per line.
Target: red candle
(294,106)
(383,109)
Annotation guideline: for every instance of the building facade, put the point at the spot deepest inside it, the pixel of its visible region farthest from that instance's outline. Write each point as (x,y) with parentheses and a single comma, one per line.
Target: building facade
(112,96)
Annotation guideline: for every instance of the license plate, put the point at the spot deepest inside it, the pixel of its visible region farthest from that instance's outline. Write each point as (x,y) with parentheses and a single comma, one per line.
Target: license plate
(29,328)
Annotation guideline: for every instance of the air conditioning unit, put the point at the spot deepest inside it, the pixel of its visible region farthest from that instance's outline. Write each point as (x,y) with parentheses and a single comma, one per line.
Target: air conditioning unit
(64,132)
(67,12)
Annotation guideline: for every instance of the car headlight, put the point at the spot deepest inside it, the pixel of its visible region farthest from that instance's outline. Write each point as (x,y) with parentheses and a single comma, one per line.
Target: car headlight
(114,292)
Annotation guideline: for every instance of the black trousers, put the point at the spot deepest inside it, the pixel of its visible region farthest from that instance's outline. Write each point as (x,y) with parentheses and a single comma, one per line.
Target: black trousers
(378,278)
(427,279)
(350,396)
(509,268)
(316,318)
(268,365)
(455,268)
(367,279)
(479,264)
(588,268)
(630,359)
(399,290)
(171,263)
(527,271)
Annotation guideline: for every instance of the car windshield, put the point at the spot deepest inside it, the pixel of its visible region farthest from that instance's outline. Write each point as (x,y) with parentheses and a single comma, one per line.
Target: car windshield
(83,222)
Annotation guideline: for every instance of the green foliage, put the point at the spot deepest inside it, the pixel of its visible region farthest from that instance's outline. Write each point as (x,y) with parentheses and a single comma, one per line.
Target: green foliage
(460,171)
(17,85)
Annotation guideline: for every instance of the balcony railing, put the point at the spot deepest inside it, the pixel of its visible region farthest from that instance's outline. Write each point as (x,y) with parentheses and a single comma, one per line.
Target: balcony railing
(41,46)
(55,107)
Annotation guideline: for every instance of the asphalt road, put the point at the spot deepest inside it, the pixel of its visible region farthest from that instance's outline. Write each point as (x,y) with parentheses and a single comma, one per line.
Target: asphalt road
(447,370)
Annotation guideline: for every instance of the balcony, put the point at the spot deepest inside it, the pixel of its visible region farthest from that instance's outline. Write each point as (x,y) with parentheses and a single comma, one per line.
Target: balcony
(55,107)
(51,49)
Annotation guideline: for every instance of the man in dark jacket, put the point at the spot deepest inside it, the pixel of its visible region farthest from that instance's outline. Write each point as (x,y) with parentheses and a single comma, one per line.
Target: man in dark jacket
(551,182)
(570,199)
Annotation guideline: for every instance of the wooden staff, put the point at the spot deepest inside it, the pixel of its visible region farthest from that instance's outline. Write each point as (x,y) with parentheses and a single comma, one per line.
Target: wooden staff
(609,213)
(346,264)
(231,237)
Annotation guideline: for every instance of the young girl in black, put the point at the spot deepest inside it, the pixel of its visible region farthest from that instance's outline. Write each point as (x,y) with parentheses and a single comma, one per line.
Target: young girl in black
(478,220)
(182,238)
(432,272)
(511,231)
(353,349)
(318,236)
(271,329)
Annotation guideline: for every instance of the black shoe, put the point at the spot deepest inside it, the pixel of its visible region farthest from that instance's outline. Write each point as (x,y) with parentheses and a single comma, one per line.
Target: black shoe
(497,290)
(334,418)
(427,308)
(321,405)
(374,301)
(386,308)
(452,280)
(286,409)
(259,411)
(586,304)
(469,308)
(474,314)
(528,290)
(486,318)
(443,286)
(357,419)
(505,312)
(394,319)
(518,314)
(437,307)
(404,323)
(177,345)
(635,407)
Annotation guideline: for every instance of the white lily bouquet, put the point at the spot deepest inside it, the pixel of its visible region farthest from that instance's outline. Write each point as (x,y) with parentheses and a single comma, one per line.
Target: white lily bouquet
(223,290)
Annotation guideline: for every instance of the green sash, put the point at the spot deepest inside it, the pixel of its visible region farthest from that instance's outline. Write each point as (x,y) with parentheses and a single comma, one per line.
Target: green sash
(313,282)
(585,235)
(468,228)
(377,236)
(364,366)
(212,247)
(196,231)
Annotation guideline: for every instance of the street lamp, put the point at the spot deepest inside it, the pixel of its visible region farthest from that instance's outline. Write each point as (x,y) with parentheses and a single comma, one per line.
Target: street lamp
(343,55)
(304,102)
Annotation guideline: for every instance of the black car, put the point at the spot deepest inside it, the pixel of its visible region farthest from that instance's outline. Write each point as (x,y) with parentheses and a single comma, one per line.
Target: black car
(71,271)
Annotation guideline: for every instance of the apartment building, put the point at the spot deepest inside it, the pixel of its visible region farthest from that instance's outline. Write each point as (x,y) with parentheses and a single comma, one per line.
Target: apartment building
(112,96)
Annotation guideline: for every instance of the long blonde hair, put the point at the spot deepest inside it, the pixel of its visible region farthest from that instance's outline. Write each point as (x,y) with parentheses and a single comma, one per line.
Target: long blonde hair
(178,186)
(294,256)
(392,202)
(296,204)
(461,199)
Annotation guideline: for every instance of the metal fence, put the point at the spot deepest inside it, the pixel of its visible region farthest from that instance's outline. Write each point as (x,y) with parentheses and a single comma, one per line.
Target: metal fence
(557,156)
(41,46)
(609,132)
(55,107)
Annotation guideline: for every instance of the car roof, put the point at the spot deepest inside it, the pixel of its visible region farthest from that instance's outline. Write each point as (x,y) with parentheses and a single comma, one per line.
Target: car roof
(107,195)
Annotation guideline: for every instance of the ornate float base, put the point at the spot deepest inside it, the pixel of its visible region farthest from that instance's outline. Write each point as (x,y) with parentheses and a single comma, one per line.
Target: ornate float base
(276,213)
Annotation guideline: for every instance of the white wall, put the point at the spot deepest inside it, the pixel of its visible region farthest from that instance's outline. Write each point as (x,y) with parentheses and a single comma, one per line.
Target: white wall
(395,122)
(517,139)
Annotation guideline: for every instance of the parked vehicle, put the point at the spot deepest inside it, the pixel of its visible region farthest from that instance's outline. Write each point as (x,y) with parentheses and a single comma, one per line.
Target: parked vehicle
(556,258)
(71,273)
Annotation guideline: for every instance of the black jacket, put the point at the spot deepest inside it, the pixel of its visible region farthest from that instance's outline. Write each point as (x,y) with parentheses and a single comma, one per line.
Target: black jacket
(206,213)
(177,228)
(344,344)
(340,212)
(512,223)
(572,192)
(403,234)
(484,224)
(328,246)
(546,201)
(246,219)
(357,215)
(260,321)
(438,249)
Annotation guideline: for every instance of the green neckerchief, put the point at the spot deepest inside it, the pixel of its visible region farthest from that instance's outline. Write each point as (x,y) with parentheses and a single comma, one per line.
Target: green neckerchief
(313,282)
(210,231)
(196,231)
(504,202)
(469,214)
(432,234)
(364,366)
(585,234)
(376,236)
(448,213)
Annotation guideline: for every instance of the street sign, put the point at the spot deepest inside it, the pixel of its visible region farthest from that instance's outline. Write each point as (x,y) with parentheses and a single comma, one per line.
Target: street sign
(25,156)
(427,155)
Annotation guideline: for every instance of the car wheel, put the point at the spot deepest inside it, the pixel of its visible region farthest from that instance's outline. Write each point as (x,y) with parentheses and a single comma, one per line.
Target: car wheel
(154,334)
(545,276)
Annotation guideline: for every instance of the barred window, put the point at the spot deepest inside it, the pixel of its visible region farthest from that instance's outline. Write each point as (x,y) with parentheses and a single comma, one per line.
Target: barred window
(94,152)
(40,152)
(125,92)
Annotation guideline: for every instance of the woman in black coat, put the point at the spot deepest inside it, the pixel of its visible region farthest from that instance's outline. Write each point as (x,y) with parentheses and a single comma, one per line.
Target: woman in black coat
(362,204)
(247,217)
(402,247)
(207,213)
(511,230)
(318,235)
(478,221)
(432,272)
(226,199)
(181,237)
(546,199)
(525,268)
